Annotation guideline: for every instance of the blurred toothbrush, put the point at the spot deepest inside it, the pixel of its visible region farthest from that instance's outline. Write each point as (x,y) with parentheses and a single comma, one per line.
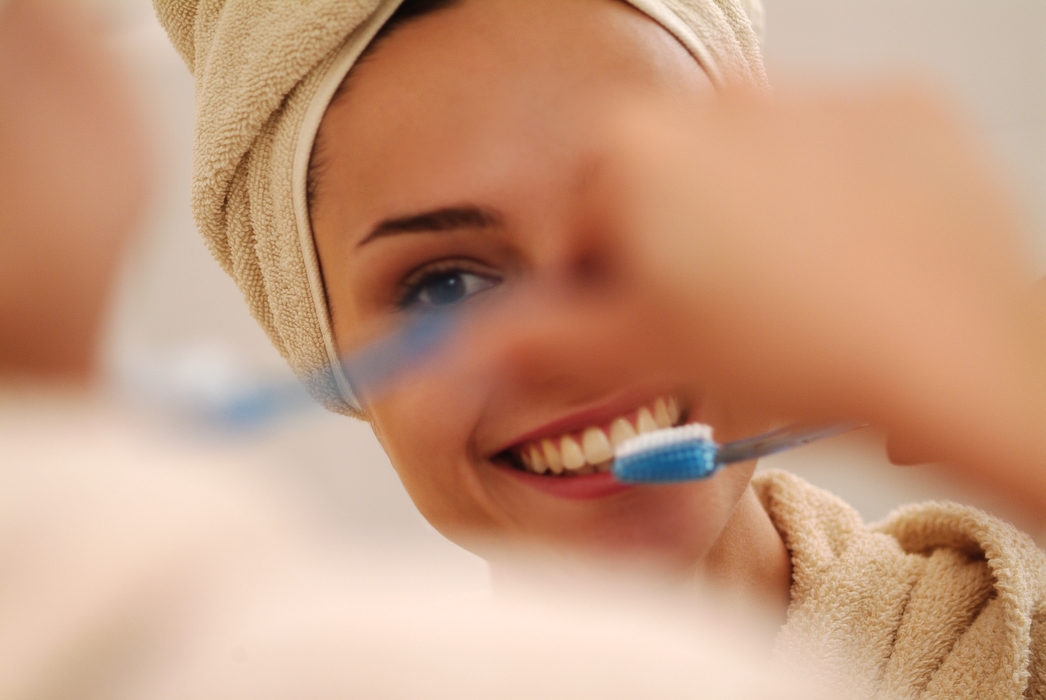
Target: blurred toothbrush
(377,366)
(688,452)
(211,392)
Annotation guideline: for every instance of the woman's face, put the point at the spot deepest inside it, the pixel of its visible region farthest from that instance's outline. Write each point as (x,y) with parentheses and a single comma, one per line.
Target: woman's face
(448,171)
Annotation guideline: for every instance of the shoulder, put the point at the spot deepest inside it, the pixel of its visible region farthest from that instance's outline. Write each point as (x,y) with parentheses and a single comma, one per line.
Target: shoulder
(991,574)
(1037,658)
(816,523)
(938,596)
(823,533)
(1014,615)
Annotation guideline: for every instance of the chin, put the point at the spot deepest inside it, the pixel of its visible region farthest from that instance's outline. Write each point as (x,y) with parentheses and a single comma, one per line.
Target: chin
(668,528)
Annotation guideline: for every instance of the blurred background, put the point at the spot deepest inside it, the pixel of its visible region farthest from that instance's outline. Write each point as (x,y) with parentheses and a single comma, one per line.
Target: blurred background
(180,329)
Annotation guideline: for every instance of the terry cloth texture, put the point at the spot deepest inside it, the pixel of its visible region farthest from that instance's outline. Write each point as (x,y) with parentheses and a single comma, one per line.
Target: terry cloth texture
(937,601)
(265,72)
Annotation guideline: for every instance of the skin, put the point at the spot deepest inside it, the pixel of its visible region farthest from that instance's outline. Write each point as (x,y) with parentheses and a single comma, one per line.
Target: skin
(490,105)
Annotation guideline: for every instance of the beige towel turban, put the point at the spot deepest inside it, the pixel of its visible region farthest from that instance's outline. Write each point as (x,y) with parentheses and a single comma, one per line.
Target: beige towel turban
(265,71)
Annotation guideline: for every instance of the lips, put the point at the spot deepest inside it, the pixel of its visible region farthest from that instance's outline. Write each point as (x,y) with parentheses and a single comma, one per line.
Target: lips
(590,449)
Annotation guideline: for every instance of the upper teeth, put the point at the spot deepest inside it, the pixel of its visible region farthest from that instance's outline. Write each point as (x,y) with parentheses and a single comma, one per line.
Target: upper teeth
(592,449)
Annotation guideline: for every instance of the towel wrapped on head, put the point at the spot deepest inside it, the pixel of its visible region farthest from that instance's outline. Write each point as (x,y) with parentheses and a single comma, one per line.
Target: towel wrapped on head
(265,72)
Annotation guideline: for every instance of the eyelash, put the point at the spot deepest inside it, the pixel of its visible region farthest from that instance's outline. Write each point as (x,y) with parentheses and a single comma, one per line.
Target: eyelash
(413,284)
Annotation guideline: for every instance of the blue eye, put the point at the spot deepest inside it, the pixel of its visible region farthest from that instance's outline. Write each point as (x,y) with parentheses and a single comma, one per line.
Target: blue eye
(446,288)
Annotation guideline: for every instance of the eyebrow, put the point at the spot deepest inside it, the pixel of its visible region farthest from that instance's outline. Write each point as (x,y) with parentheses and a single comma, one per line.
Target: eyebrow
(435,221)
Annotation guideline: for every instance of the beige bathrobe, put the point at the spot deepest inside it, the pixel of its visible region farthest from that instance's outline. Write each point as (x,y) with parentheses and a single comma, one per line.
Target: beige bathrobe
(937,601)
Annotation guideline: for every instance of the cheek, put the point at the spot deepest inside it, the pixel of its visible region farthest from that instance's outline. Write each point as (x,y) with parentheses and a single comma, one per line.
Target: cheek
(426,426)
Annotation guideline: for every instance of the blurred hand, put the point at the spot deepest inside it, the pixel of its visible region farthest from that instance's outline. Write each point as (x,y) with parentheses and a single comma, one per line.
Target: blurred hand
(73,176)
(824,255)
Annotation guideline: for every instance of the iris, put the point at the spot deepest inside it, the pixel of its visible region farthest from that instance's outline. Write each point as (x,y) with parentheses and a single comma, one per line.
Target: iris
(447,287)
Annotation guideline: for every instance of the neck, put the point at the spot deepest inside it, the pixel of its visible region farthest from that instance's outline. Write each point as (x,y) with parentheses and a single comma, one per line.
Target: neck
(748,565)
(749,561)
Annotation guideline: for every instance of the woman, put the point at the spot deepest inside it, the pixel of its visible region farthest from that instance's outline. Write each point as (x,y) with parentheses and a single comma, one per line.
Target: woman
(454,163)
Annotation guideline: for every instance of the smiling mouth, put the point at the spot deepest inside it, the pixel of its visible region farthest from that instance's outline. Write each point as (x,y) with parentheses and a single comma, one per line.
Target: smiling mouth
(590,450)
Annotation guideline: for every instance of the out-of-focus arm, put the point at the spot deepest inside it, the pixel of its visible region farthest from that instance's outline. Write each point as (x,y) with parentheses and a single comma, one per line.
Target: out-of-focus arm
(73,176)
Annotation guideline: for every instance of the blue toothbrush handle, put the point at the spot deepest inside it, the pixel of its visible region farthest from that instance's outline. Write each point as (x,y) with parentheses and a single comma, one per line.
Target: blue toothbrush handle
(375,367)
(370,370)
(688,452)
(779,440)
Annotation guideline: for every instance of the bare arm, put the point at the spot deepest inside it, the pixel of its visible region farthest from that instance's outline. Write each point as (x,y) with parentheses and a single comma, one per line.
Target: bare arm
(72,179)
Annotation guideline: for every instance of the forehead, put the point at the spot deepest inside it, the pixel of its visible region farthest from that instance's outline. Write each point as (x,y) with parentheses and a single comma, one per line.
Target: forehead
(463,96)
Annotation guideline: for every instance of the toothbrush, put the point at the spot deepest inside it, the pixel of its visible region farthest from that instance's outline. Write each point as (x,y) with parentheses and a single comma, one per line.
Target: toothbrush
(230,403)
(373,368)
(688,452)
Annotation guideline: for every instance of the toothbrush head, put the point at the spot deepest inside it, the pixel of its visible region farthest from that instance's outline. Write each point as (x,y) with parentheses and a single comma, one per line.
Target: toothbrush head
(667,456)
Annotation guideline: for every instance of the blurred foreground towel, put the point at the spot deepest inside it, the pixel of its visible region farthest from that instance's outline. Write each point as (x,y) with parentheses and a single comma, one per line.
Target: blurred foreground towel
(937,601)
(265,71)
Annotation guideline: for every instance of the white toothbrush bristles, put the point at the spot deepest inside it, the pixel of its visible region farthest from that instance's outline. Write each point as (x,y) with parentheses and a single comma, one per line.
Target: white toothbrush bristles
(663,438)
